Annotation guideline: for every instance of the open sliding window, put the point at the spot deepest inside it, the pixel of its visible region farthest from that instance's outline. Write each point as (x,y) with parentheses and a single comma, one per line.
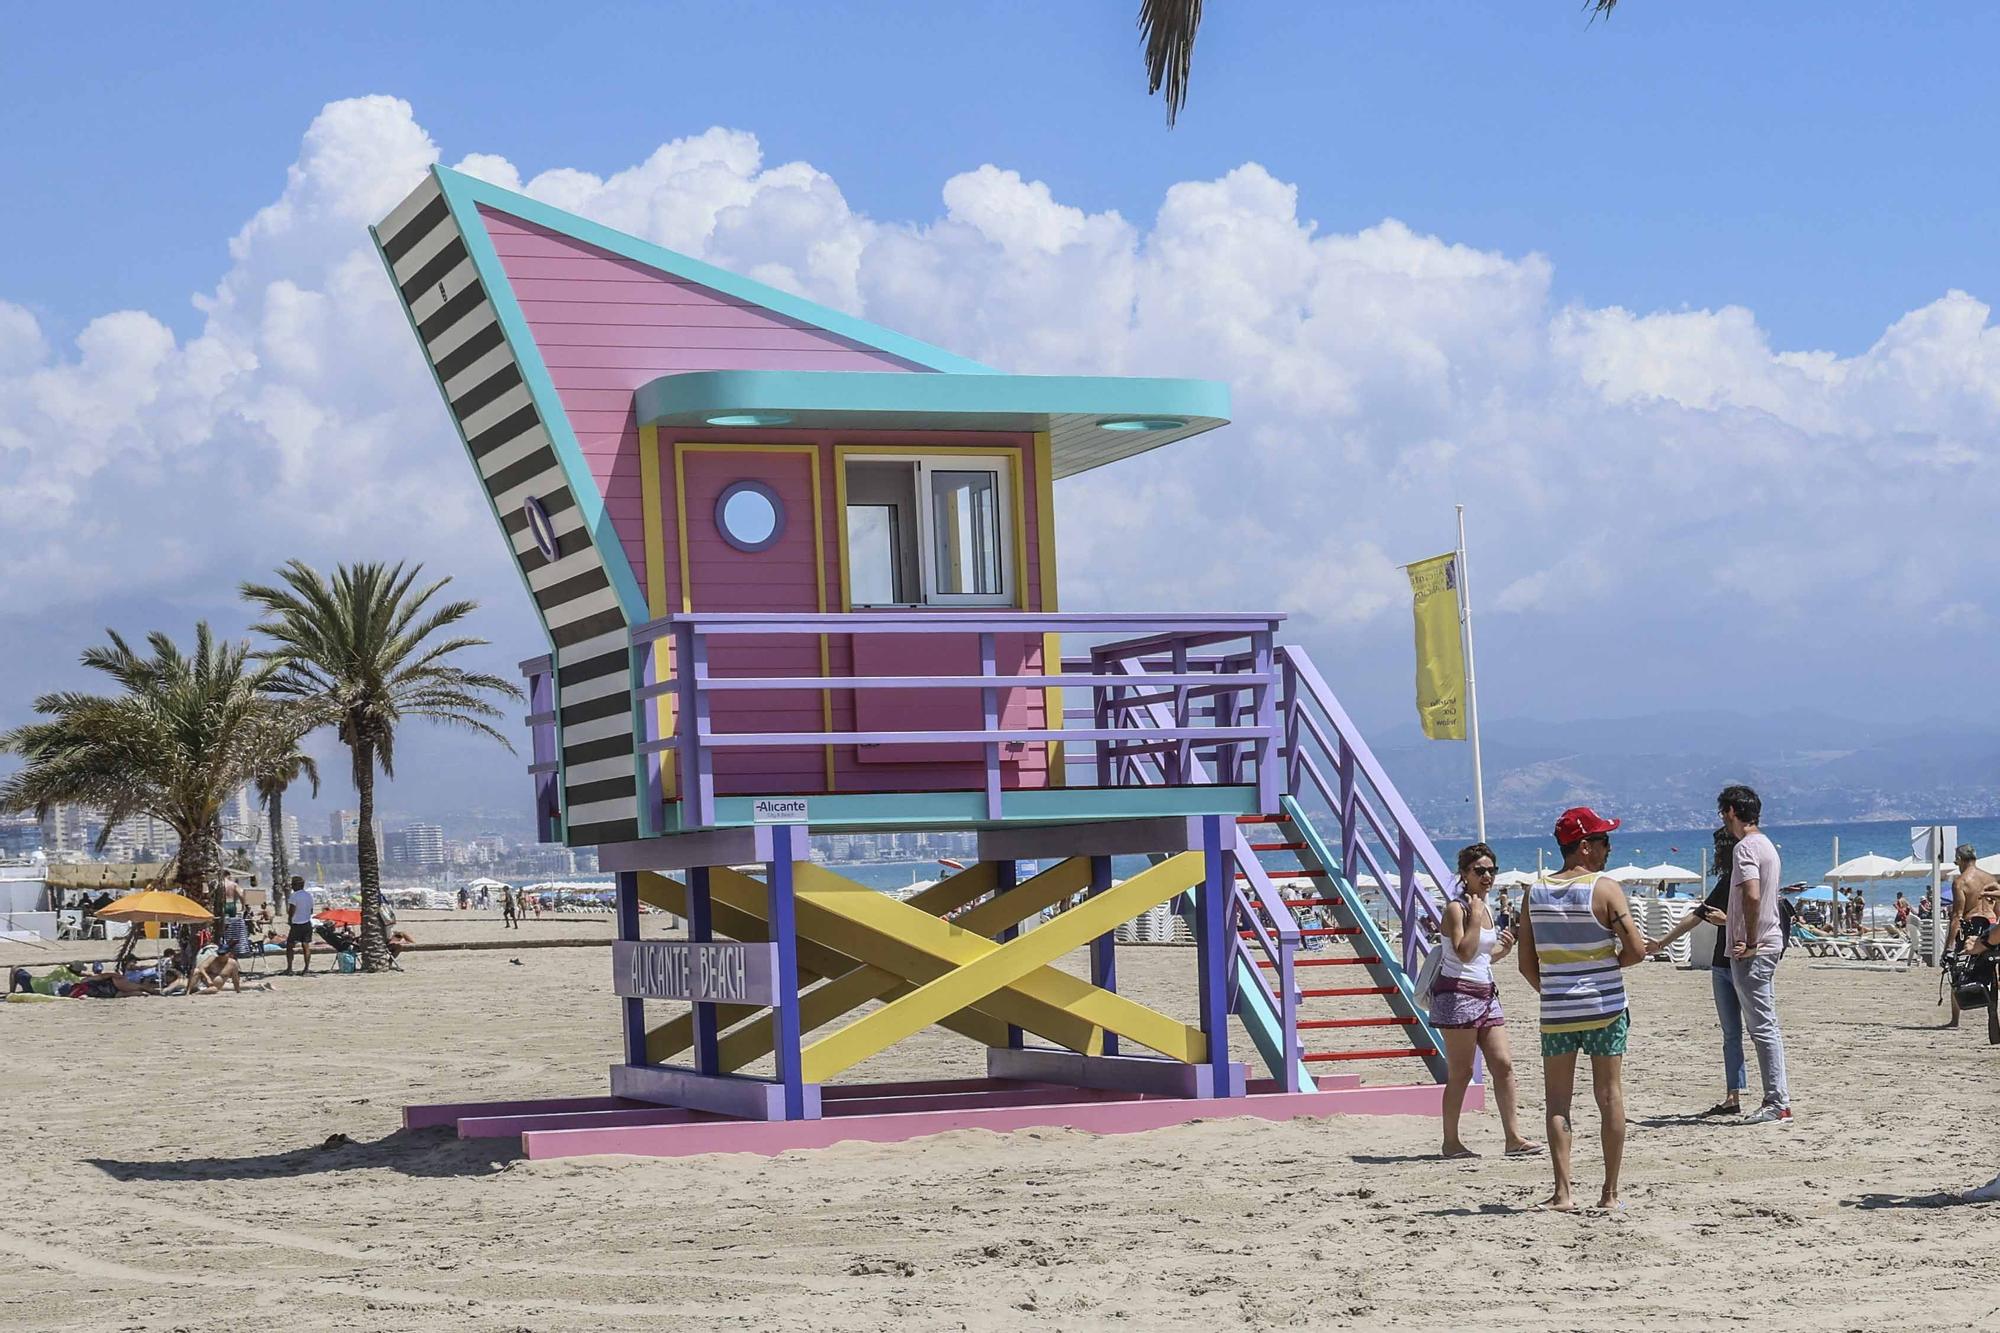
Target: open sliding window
(929,531)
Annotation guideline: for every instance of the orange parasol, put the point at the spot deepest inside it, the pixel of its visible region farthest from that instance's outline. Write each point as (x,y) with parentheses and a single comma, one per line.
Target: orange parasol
(340,916)
(156,905)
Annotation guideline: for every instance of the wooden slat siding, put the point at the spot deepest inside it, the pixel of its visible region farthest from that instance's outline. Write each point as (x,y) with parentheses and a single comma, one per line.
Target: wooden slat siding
(565,323)
(515,457)
(605,325)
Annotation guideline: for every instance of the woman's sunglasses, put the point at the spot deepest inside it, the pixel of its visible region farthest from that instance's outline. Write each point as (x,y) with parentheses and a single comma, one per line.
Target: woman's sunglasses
(1483,870)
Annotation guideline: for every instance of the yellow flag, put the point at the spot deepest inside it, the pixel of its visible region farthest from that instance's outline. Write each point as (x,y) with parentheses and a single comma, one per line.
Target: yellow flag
(1440,651)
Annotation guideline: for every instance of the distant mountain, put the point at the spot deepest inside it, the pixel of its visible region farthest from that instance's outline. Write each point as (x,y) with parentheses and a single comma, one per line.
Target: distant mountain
(1663,770)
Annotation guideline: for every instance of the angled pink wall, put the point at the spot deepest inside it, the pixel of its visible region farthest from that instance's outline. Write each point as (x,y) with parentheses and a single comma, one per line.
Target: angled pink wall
(606,325)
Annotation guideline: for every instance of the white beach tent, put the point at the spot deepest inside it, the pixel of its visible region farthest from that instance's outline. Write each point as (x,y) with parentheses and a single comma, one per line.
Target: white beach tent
(1514,879)
(1629,874)
(1670,874)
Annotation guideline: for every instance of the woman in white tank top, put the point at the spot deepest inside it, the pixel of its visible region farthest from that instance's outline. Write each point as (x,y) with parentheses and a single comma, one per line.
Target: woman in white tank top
(1465,1004)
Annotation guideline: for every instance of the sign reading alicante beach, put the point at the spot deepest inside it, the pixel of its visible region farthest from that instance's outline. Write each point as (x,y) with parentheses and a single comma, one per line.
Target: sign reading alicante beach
(724,971)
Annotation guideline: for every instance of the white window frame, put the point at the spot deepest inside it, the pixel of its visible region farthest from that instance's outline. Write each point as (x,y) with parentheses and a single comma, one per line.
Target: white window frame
(1001,465)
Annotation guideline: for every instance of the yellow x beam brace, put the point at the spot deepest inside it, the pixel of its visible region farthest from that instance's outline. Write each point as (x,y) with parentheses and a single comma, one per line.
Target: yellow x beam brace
(982,972)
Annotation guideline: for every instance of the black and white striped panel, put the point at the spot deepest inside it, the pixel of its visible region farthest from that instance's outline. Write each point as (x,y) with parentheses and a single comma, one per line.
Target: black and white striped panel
(510,446)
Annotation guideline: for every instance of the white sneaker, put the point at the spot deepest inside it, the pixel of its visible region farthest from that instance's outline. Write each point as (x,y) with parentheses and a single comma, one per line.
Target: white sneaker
(1987,1193)
(1769,1115)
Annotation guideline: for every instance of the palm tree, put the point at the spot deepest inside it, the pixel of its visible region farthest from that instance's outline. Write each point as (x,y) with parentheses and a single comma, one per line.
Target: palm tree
(271,781)
(183,734)
(1169,27)
(360,649)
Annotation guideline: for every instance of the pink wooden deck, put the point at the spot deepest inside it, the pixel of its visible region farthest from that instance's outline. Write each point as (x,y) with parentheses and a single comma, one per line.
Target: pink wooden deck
(894,1113)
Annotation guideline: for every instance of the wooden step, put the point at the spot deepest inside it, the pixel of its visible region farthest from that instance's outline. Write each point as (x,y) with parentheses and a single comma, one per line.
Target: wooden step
(1312,902)
(1383,1021)
(1277,846)
(1312,932)
(1253,820)
(1366,961)
(1315,1057)
(1330,992)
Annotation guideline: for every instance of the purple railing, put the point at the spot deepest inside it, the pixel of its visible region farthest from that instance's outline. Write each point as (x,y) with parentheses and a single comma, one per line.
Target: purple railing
(1229,714)
(1325,756)
(1258,914)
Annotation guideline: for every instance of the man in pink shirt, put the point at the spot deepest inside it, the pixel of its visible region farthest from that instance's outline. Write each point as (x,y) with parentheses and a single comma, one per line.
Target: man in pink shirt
(1756,939)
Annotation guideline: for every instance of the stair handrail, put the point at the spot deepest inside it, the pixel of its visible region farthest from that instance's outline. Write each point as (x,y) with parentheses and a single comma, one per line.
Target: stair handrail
(1415,907)
(1283,950)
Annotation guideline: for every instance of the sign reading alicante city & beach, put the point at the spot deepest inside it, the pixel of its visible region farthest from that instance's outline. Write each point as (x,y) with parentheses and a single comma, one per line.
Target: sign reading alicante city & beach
(725,971)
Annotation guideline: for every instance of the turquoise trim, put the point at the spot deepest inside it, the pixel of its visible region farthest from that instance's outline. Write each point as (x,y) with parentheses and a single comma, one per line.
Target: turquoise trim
(467,188)
(932,402)
(854,812)
(1369,931)
(542,389)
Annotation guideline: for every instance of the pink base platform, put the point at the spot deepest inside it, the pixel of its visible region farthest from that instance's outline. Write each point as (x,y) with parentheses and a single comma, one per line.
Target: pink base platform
(892,1113)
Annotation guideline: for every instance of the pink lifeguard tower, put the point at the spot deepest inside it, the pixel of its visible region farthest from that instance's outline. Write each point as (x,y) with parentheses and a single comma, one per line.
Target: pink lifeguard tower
(798,576)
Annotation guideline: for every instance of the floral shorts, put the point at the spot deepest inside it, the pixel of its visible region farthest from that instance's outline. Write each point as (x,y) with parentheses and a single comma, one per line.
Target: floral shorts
(1607,1041)
(1457,1003)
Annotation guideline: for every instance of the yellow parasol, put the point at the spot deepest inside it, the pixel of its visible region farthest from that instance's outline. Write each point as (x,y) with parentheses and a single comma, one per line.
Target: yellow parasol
(156,905)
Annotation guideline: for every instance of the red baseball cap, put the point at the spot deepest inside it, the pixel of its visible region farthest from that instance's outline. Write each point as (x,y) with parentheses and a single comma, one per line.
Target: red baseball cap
(1580,822)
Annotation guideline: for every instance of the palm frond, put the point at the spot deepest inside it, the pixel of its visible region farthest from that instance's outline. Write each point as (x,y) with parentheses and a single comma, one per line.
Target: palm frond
(1168,27)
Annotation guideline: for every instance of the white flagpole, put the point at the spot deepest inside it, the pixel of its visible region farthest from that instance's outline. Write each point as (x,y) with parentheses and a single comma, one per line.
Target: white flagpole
(1471,681)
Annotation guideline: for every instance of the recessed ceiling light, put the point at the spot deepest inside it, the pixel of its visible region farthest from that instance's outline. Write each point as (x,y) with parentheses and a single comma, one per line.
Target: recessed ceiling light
(1142,423)
(751,419)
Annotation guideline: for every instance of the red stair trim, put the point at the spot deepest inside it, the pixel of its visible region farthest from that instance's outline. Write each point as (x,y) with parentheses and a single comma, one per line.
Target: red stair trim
(1312,1057)
(1312,902)
(1368,961)
(1331,991)
(1386,1021)
(1311,931)
(1277,846)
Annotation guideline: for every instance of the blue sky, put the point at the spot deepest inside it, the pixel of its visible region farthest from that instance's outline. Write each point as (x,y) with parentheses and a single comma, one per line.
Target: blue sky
(1690,305)
(1823,165)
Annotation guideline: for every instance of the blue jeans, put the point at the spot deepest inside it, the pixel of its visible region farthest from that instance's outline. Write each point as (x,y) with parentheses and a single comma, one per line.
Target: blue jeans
(1729,1013)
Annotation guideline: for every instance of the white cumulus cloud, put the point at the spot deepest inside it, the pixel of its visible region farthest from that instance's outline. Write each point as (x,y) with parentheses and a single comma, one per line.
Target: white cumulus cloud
(1663,471)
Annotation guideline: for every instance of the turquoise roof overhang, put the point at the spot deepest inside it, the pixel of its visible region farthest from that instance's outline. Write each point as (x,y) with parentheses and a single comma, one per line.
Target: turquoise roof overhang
(1073,409)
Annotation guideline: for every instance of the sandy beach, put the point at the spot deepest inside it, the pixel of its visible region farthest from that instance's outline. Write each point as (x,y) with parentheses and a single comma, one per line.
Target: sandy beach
(192,1163)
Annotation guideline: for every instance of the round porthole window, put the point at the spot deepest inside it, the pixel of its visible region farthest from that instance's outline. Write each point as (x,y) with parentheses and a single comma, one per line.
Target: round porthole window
(750,515)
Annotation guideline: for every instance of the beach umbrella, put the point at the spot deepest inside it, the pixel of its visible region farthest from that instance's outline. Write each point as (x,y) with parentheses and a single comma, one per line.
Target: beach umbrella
(162,905)
(1670,874)
(1513,879)
(339,916)
(1870,866)
(1629,874)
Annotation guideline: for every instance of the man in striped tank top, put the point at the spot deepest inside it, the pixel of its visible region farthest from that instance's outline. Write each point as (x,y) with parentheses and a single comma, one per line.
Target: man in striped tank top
(1577,936)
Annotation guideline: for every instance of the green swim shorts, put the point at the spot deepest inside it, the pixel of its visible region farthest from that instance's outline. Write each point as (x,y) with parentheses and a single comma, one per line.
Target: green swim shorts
(1607,1040)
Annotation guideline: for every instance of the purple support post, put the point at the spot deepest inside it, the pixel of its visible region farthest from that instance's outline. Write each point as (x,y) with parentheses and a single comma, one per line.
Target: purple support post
(1100,718)
(1291,705)
(685,742)
(989,714)
(1104,949)
(632,1010)
(1406,871)
(1268,782)
(1288,1015)
(1350,830)
(701,929)
(1214,948)
(696,725)
(788,847)
(1183,753)
(1005,876)
(653,810)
